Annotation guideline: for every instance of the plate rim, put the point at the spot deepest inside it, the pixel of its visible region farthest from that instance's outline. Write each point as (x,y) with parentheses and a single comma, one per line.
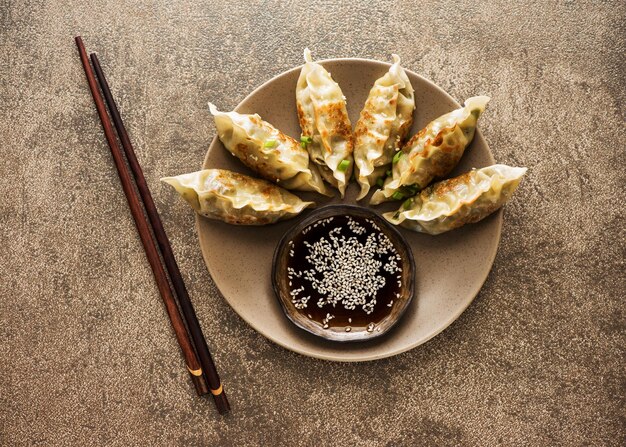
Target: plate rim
(498,216)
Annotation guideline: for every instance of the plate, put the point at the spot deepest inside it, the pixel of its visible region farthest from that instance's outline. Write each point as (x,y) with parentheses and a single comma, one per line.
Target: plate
(450,268)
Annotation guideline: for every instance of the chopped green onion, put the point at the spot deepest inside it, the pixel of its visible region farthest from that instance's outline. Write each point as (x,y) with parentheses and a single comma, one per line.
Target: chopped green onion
(397,195)
(303,144)
(269,143)
(412,189)
(397,157)
(388,173)
(380,182)
(306,140)
(407,204)
(343,166)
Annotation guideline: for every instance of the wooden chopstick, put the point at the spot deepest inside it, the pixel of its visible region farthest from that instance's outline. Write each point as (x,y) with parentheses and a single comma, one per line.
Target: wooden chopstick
(189,314)
(160,277)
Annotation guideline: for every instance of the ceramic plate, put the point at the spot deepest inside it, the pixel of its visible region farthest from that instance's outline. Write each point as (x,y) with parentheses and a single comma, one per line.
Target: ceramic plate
(450,268)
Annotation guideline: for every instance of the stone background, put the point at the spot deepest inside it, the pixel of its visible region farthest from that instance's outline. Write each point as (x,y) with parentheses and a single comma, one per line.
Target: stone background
(87,355)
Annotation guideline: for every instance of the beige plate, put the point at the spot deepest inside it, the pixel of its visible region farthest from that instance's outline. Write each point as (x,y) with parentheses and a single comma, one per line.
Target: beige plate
(450,268)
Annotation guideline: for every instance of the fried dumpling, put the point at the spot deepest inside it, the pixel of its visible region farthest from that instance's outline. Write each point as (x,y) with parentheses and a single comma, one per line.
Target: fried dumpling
(235,198)
(326,128)
(383,125)
(433,152)
(266,150)
(455,202)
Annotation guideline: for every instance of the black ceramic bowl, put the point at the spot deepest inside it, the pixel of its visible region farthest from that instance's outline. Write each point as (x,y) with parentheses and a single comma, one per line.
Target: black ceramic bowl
(357,324)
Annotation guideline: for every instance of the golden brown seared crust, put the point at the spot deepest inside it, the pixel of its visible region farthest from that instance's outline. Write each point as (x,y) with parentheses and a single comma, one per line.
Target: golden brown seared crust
(338,116)
(367,118)
(425,152)
(305,124)
(248,220)
(226,180)
(448,185)
(450,131)
(229,180)
(259,166)
(413,139)
(443,165)
(446,159)
(361,127)
(267,191)
(434,142)
(283,137)
(378,141)
(484,212)
(437,141)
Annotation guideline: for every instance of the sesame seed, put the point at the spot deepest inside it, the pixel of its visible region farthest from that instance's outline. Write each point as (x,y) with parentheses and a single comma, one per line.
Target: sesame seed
(327,319)
(345,269)
(342,266)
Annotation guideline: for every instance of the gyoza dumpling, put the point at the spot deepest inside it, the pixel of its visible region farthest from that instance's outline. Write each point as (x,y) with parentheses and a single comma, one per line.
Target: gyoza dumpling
(236,198)
(384,122)
(326,128)
(267,151)
(433,152)
(455,202)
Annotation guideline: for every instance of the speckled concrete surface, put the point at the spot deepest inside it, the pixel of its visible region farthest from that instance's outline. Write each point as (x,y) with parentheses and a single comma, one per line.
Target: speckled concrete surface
(87,356)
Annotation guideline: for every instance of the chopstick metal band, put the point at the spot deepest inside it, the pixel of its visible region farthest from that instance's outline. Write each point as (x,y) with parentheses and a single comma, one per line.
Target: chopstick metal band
(140,221)
(200,384)
(202,349)
(195,372)
(218,391)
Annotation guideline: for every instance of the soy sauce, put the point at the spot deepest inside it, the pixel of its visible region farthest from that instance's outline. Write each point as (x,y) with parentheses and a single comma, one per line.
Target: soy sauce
(359,244)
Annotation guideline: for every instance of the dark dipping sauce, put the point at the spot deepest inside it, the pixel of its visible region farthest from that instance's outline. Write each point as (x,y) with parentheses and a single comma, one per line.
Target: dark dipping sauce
(344,273)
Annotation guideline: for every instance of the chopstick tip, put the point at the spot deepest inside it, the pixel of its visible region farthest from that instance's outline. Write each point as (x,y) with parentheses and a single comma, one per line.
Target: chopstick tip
(223,406)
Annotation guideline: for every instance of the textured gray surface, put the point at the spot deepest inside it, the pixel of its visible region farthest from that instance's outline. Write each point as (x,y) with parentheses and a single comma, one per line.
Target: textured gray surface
(87,356)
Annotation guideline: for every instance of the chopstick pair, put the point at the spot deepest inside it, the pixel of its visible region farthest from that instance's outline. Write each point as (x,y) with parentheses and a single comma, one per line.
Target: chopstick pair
(195,350)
